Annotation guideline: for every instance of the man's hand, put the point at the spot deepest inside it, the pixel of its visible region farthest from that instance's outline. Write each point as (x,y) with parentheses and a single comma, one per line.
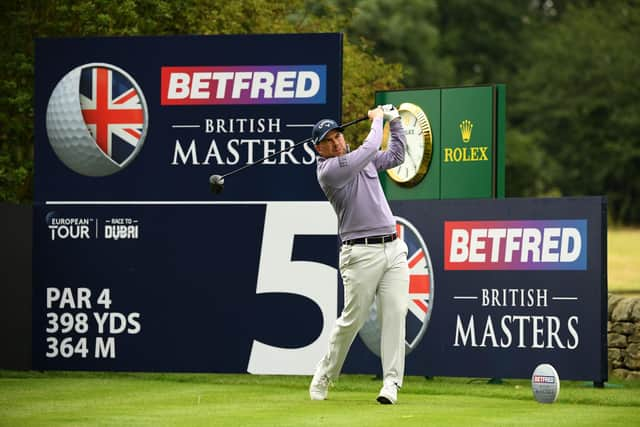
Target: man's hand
(375,113)
(390,112)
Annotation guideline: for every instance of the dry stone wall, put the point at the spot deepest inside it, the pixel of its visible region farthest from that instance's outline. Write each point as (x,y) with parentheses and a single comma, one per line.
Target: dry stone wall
(623,336)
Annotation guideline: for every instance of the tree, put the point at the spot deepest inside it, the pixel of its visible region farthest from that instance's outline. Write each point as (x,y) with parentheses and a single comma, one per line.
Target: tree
(363,73)
(483,38)
(404,33)
(577,98)
(530,172)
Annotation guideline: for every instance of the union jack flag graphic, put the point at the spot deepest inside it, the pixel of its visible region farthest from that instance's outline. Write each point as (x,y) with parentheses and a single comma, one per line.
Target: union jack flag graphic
(421,290)
(112,111)
(420,282)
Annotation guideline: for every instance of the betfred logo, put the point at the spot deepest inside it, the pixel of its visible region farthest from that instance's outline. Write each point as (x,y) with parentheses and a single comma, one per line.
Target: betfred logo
(277,84)
(543,379)
(516,245)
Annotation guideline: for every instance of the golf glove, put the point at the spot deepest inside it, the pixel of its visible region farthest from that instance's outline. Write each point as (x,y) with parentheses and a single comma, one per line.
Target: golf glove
(390,112)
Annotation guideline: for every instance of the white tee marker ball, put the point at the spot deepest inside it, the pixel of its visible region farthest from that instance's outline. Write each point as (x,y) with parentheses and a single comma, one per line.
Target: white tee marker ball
(545,383)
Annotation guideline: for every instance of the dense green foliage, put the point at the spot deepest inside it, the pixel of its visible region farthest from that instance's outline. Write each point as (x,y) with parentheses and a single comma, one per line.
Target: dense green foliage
(578,92)
(570,68)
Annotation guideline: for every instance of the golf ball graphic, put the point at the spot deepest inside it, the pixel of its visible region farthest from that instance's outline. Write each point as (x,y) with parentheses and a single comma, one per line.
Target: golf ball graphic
(97,119)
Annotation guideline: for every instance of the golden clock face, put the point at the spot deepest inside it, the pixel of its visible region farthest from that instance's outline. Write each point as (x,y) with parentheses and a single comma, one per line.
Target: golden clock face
(419,146)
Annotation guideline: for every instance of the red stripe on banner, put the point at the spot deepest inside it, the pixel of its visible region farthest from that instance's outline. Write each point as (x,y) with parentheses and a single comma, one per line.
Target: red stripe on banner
(421,305)
(133,133)
(419,284)
(127,97)
(399,231)
(416,258)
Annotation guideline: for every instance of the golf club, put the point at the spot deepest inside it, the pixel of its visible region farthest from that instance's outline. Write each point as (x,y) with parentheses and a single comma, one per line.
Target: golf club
(217,181)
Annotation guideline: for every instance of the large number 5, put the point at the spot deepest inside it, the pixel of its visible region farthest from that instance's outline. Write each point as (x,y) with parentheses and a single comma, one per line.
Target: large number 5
(283,221)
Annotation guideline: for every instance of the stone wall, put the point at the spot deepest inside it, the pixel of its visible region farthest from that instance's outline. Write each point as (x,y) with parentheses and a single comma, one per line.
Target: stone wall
(623,328)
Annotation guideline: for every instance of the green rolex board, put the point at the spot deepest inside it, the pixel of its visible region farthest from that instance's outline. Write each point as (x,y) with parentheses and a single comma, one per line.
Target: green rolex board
(467,128)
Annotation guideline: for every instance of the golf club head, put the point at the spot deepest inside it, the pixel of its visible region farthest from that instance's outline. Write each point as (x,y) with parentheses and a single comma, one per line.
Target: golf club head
(217,184)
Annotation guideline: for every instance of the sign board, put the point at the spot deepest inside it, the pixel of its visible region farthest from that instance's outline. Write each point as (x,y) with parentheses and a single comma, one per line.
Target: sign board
(151,118)
(137,266)
(468,135)
(514,283)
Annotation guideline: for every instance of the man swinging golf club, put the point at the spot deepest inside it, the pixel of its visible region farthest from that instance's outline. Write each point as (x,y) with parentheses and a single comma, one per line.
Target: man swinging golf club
(373,261)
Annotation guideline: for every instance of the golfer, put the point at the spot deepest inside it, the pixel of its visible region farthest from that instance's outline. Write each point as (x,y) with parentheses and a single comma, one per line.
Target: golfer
(373,261)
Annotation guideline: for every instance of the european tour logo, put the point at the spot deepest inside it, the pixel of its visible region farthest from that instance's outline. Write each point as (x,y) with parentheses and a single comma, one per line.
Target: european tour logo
(516,245)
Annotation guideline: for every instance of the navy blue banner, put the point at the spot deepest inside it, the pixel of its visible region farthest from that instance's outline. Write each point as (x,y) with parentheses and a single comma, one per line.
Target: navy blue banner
(209,288)
(254,288)
(161,288)
(127,234)
(151,118)
(489,319)
(138,267)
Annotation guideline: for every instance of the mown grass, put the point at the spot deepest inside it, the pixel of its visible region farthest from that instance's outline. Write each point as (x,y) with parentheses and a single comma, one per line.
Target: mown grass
(137,399)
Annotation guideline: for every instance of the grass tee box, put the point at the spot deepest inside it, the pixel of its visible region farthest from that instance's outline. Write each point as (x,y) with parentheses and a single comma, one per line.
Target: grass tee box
(108,399)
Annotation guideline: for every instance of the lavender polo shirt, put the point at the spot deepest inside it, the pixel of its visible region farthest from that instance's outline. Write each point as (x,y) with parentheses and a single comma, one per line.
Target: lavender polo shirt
(353,188)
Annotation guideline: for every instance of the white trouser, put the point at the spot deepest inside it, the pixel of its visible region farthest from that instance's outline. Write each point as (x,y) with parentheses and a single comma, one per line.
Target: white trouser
(367,271)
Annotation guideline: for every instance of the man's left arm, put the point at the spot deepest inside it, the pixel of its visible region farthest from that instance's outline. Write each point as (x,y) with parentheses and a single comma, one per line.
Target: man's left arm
(394,154)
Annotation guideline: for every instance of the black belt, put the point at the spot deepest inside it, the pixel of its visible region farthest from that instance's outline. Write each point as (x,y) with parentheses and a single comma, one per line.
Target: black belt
(371,240)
